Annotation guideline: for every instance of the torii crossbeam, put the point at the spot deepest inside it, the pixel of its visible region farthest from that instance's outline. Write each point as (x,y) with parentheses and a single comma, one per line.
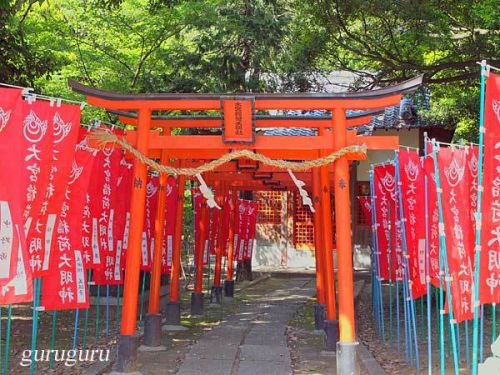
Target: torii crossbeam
(237,116)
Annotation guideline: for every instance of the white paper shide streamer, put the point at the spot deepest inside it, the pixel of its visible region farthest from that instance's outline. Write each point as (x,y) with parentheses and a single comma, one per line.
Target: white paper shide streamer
(306,200)
(207,193)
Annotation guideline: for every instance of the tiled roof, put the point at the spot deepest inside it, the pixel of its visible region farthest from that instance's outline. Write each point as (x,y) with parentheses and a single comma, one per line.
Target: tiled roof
(402,116)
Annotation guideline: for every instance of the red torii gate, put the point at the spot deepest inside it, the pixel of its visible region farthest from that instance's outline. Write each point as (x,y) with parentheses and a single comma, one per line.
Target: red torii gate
(237,123)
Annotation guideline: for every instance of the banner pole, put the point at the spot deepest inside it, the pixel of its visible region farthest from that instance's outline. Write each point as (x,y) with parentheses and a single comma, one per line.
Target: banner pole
(444,258)
(422,318)
(7,341)
(118,307)
(477,256)
(86,319)
(467,347)
(493,322)
(75,332)
(107,310)
(409,356)
(376,260)
(390,272)
(34,332)
(427,267)
(481,352)
(53,338)
(398,322)
(143,287)
(390,250)
(98,312)
(411,301)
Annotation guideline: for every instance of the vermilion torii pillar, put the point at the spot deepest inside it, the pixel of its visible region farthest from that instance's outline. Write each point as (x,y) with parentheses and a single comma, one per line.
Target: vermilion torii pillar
(236,125)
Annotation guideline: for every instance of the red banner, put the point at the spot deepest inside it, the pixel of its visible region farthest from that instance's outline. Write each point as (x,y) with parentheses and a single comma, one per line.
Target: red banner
(388,230)
(10,194)
(455,200)
(15,274)
(198,205)
(489,280)
(147,243)
(226,222)
(214,230)
(240,234)
(366,208)
(412,188)
(37,143)
(65,285)
(251,230)
(122,211)
(65,127)
(433,220)
(104,202)
(169,224)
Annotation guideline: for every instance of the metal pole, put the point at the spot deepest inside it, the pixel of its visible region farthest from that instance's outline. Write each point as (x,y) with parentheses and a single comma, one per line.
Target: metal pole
(444,257)
(477,257)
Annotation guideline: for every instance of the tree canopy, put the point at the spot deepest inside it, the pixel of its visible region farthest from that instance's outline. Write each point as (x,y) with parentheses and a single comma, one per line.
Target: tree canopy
(259,45)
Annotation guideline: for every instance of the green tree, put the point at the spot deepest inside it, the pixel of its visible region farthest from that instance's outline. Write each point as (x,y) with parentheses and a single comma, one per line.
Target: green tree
(387,41)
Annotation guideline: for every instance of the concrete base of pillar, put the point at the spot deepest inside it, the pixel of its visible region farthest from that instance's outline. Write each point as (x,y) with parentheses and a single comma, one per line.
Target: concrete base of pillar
(196,303)
(152,330)
(126,358)
(173,313)
(216,295)
(319,316)
(347,363)
(229,288)
(331,328)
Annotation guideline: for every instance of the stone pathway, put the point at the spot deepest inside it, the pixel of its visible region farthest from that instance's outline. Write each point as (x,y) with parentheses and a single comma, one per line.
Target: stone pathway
(253,339)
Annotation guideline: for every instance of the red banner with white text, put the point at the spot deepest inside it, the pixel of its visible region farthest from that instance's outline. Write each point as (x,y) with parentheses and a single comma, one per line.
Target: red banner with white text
(65,286)
(15,273)
(432,221)
(366,208)
(251,230)
(65,127)
(388,230)
(240,235)
(170,219)
(454,180)
(104,203)
(37,143)
(489,279)
(411,174)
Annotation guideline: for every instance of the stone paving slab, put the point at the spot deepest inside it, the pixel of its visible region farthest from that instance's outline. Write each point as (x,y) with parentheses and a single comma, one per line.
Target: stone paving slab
(228,352)
(254,338)
(264,353)
(264,368)
(192,366)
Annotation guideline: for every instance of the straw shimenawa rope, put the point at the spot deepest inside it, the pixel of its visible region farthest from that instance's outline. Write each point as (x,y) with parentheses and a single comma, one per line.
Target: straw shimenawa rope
(103,137)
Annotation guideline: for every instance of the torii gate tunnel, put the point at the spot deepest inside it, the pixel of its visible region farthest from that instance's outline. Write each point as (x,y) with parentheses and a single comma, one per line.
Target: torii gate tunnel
(234,127)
